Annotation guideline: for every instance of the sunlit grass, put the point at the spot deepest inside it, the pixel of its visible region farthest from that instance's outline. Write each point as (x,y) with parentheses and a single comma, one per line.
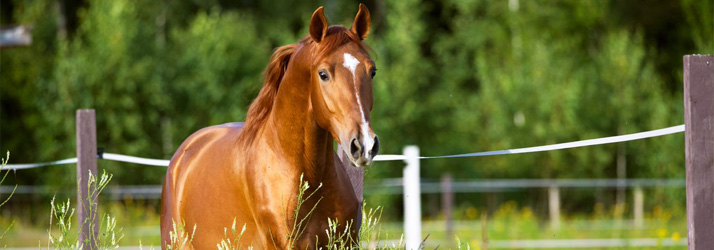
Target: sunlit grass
(474,228)
(511,223)
(65,236)
(234,240)
(3,162)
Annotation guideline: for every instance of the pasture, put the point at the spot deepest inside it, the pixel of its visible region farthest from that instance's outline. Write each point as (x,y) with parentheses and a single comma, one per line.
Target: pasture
(510,224)
(502,124)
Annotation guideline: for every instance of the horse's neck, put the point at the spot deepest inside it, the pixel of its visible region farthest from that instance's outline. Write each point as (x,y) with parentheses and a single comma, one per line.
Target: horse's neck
(295,133)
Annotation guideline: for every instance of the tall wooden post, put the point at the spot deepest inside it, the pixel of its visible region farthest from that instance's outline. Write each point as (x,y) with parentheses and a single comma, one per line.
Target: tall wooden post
(447,204)
(699,149)
(554,206)
(86,163)
(638,211)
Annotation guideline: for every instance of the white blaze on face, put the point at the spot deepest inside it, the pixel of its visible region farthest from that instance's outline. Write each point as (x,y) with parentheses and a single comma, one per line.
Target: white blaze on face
(351,63)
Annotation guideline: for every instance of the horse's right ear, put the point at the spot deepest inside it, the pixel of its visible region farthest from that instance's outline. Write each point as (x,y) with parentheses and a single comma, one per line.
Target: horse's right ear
(362,22)
(318,25)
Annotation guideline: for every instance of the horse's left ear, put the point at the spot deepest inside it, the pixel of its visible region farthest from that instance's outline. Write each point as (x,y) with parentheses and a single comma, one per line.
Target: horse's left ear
(318,25)
(362,23)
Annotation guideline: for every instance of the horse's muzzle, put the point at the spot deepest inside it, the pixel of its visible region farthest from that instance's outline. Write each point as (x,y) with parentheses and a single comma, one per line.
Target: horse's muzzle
(363,150)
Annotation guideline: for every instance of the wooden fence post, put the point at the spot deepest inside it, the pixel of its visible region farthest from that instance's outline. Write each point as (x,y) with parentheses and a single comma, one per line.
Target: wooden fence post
(639,200)
(412,199)
(86,164)
(699,149)
(554,206)
(447,204)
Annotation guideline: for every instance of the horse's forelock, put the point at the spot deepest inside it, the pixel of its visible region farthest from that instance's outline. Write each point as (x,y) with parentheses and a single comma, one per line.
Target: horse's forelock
(336,37)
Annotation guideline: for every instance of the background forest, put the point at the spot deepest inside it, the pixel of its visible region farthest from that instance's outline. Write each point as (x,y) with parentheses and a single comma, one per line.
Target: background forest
(455,76)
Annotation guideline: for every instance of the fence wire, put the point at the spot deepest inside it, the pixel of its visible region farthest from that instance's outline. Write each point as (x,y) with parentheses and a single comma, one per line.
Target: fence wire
(575,144)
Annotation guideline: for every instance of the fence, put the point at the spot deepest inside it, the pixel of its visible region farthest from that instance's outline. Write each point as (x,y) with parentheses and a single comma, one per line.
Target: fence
(699,145)
(446,188)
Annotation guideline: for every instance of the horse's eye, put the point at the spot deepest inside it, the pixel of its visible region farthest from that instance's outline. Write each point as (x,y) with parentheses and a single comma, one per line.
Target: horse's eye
(373,72)
(323,75)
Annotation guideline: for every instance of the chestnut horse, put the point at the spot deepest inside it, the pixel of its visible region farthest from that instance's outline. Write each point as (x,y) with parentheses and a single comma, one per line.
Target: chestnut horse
(315,92)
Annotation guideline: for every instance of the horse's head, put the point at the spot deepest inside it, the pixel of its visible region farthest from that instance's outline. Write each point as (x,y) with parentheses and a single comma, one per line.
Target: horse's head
(341,76)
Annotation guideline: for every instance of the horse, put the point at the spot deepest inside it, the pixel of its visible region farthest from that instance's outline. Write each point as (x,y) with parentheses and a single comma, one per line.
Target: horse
(316,92)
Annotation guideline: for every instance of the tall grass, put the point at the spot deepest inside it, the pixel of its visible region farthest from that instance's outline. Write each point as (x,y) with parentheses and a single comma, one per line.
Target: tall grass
(232,242)
(506,223)
(369,233)
(3,162)
(62,233)
(62,213)
(179,237)
(300,224)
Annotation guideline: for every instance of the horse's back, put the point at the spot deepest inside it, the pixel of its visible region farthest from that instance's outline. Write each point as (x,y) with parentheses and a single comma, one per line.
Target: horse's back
(200,145)
(205,150)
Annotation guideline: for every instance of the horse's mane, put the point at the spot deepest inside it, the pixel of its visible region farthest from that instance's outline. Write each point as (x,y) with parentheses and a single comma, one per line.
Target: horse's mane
(263,104)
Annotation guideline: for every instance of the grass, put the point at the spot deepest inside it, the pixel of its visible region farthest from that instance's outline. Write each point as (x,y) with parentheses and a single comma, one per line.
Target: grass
(3,162)
(107,237)
(299,224)
(512,223)
(232,242)
(508,222)
(336,239)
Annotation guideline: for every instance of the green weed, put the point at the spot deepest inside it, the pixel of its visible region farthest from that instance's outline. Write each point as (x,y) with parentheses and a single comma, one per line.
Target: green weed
(107,237)
(232,242)
(178,237)
(300,224)
(3,162)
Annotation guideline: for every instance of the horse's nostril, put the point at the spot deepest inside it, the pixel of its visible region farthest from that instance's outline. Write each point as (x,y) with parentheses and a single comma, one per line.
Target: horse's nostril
(355,148)
(375,148)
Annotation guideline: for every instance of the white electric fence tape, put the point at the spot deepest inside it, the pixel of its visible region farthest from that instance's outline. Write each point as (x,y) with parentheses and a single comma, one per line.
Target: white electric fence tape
(575,144)
(37,165)
(137,160)
(583,143)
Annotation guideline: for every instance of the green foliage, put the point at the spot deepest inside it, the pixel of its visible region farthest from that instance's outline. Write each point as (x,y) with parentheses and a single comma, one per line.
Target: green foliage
(454,76)
(700,19)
